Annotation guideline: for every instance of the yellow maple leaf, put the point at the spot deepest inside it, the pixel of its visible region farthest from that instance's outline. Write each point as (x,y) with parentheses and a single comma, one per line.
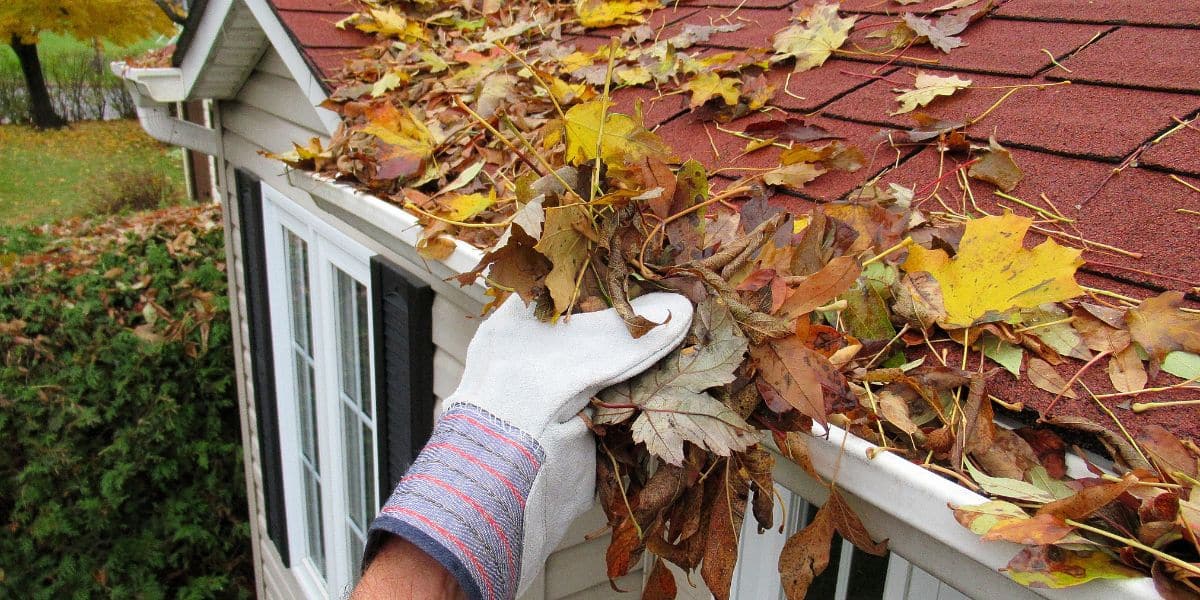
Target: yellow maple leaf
(926,87)
(310,156)
(624,138)
(599,13)
(993,273)
(708,85)
(404,145)
(812,42)
(465,206)
(386,22)
(565,245)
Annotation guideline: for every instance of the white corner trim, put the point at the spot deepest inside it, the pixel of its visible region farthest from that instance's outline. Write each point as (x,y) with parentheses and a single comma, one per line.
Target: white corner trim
(304,76)
(153,92)
(917,499)
(396,221)
(208,28)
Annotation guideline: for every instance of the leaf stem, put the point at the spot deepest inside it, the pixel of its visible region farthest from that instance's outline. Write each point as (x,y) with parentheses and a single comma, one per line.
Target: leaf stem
(1187,566)
(903,244)
(1074,378)
(621,487)
(424,213)
(729,193)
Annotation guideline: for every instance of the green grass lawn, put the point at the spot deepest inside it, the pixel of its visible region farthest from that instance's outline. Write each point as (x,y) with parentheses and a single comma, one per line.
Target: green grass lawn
(50,175)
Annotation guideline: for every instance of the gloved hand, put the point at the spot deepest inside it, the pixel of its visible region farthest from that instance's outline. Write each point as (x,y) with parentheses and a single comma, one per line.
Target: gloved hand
(510,464)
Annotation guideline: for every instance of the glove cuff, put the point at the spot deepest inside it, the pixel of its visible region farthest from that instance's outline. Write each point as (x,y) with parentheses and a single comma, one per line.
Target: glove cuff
(463,501)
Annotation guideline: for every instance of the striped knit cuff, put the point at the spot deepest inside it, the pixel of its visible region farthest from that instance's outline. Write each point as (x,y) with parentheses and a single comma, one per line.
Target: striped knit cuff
(463,501)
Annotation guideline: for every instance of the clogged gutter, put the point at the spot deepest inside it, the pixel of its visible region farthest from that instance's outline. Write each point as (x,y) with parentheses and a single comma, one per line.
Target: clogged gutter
(493,127)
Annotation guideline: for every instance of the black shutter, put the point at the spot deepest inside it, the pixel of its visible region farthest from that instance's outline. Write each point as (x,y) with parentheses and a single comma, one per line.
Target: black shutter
(401,305)
(262,359)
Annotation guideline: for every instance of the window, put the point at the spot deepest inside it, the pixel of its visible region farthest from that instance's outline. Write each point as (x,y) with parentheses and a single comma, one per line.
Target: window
(321,324)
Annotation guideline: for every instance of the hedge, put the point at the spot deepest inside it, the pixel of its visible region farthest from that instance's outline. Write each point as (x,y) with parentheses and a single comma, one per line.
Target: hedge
(120,470)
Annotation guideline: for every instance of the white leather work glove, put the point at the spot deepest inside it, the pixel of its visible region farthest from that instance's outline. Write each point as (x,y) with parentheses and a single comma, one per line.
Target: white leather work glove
(510,464)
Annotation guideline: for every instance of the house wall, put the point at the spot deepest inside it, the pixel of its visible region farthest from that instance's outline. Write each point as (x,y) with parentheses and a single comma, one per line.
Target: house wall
(268,113)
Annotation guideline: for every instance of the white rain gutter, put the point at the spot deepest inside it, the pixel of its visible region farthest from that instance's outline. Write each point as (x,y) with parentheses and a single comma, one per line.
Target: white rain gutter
(154,90)
(901,501)
(896,499)
(368,211)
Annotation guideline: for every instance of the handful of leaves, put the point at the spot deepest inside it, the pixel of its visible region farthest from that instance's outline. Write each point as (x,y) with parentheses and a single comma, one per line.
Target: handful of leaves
(870,314)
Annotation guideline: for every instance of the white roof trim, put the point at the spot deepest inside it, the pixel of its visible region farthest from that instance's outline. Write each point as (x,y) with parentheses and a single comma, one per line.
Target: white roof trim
(200,49)
(177,84)
(296,64)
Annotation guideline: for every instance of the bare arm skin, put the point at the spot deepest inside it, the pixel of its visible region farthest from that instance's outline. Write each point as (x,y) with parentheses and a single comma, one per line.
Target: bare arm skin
(403,572)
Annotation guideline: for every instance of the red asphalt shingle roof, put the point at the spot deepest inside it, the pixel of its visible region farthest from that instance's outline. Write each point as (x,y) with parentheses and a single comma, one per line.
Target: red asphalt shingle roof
(1134,76)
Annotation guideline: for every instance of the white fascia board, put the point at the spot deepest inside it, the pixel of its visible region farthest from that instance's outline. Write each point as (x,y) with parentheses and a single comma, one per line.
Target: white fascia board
(304,76)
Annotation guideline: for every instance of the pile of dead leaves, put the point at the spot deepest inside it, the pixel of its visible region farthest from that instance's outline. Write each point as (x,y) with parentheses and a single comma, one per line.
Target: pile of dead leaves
(493,128)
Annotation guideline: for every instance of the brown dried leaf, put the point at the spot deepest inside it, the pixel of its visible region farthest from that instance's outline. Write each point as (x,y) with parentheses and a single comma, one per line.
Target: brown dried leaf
(1050,449)
(821,287)
(1161,327)
(1042,375)
(1167,451)
(790,129)
(660,585)
(1088,500)
(1120,447)
(759,464)
(725,522)
(623,550)
(850,527)
(1041,529)
(794,446)
(997,167)
(798,373)
(1126,372)
(806,554)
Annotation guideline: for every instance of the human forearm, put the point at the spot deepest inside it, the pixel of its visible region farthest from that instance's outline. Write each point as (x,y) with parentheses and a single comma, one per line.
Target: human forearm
(391,576)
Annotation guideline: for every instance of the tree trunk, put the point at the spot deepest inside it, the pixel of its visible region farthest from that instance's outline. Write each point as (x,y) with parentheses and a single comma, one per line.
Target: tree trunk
(40,107)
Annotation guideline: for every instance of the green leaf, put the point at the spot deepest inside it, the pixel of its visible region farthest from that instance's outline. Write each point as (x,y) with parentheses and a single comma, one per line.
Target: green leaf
(1184,365)
(1008,488)
(1040,477)
(1005,354)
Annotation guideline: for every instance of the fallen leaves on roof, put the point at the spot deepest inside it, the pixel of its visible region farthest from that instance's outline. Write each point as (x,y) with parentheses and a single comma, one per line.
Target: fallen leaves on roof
(495,128)
(814,40)
(926,88)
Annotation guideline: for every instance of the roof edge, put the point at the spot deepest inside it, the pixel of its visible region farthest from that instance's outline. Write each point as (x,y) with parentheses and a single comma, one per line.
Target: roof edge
(189,31)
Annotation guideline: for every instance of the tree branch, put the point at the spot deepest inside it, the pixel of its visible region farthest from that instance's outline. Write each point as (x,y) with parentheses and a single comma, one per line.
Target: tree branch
(172,12)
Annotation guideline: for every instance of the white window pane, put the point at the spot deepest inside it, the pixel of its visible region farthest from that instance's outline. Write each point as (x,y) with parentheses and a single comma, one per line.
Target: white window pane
(355,498)
(312,501)
(298,290)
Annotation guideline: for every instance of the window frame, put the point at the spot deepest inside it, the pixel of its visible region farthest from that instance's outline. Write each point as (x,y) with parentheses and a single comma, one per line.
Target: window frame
(327,249)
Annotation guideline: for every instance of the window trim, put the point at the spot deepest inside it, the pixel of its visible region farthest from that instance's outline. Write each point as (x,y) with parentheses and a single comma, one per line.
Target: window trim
(327,249)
